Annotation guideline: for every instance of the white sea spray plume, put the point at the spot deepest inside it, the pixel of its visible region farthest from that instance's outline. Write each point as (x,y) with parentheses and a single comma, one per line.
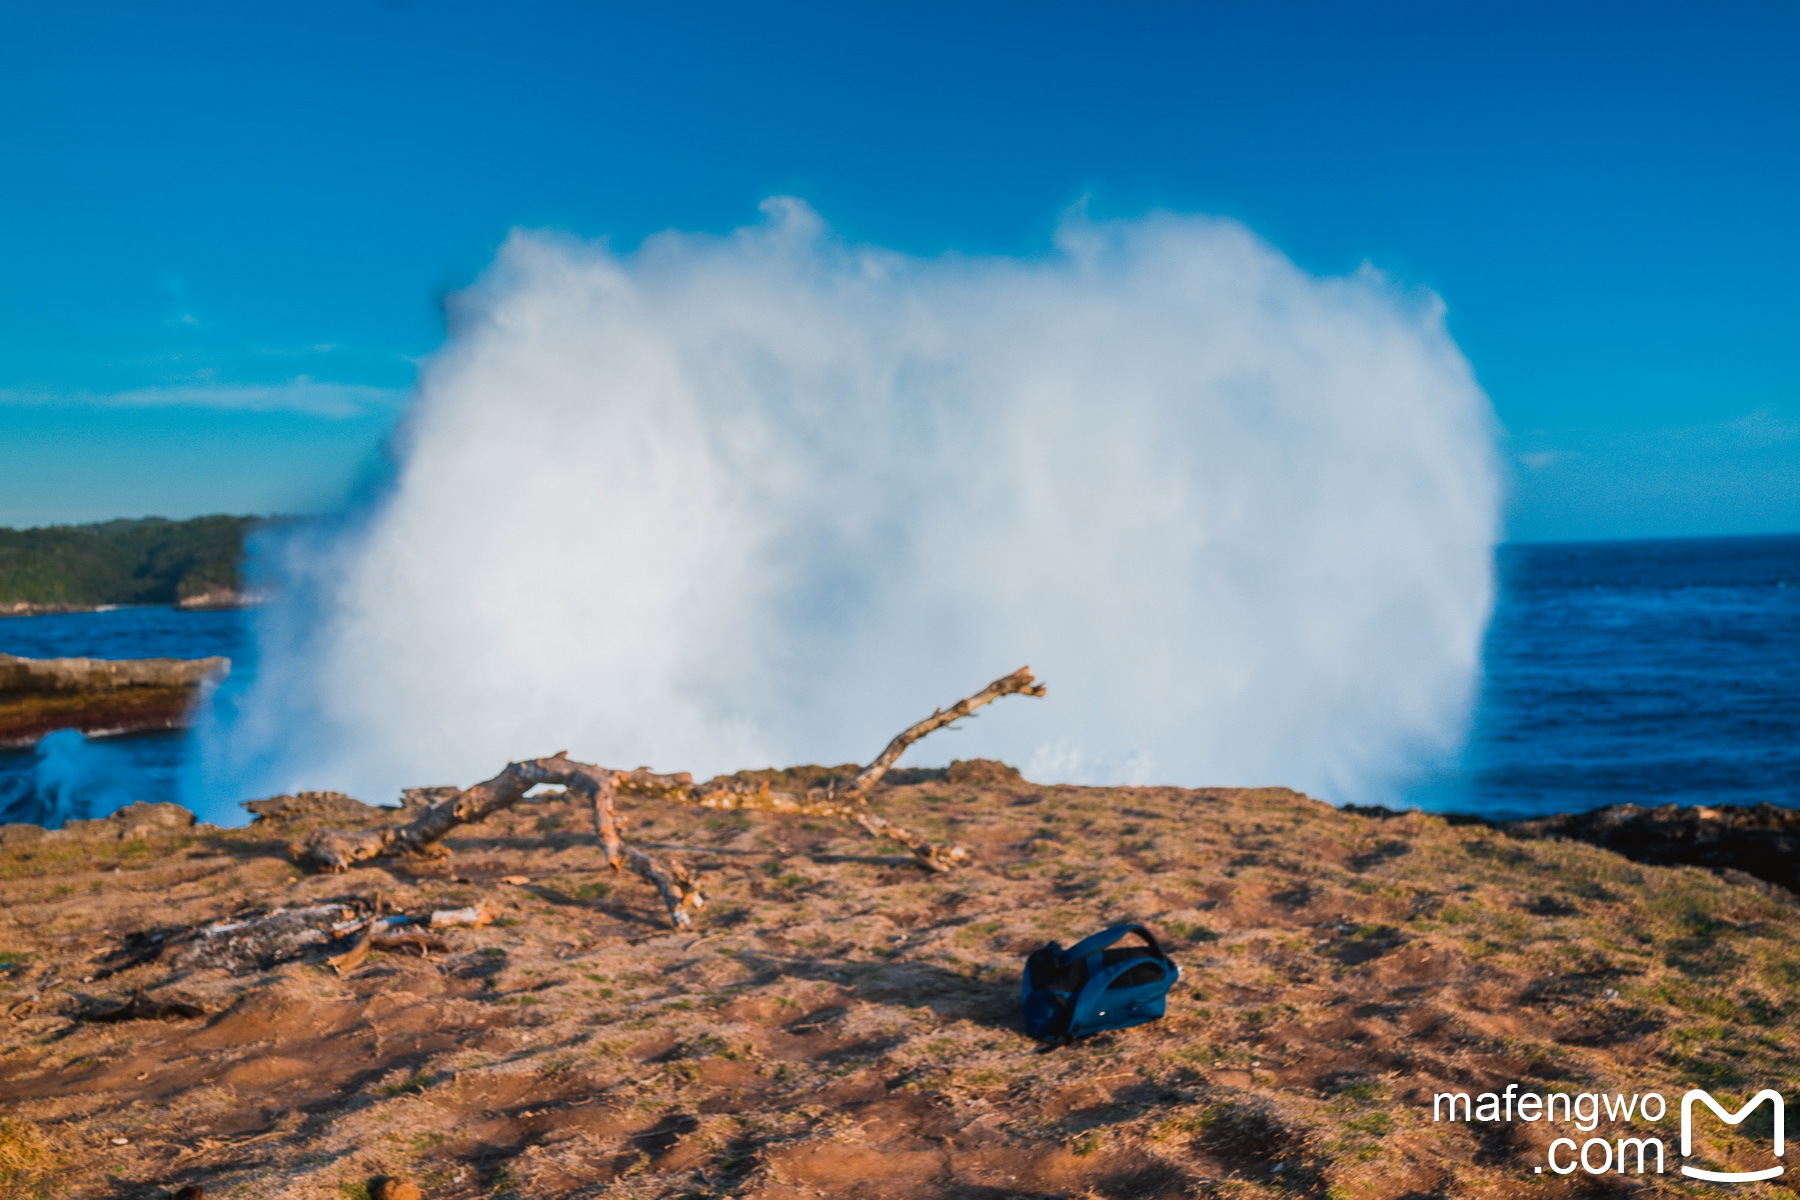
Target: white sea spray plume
(766,498)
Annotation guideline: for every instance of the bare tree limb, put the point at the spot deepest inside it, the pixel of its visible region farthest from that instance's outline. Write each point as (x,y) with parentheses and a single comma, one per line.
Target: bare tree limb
(1020,682)
(675,883)
(822,803)
(336,850)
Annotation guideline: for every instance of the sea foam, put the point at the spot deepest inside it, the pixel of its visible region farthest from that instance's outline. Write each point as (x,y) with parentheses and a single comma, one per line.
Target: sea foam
(765,498)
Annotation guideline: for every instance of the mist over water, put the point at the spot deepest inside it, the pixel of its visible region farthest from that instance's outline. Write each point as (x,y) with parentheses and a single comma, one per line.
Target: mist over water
(72,778)
(761,499)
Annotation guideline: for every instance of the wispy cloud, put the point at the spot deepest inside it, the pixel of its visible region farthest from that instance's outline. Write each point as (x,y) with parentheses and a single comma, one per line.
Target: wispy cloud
(1766,427)
(333,401)
(1758,429)
(1541,460)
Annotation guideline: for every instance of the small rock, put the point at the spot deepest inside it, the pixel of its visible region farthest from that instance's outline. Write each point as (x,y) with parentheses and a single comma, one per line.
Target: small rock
(476,915)
(398,1189)
(121,1141)
(314,808)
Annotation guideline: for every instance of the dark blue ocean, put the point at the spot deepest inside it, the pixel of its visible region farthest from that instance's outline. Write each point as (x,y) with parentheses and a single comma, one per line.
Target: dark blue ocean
(67,775)
(1641,672)
(1646,672)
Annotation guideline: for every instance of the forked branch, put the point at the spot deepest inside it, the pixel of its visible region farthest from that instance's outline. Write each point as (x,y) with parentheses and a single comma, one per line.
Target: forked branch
(424,834)
(336,850)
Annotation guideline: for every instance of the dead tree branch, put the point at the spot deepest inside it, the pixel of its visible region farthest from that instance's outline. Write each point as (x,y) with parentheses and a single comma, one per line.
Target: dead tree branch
(336,850)
(1020,682)
(424,835)
(823,803)
(851,804)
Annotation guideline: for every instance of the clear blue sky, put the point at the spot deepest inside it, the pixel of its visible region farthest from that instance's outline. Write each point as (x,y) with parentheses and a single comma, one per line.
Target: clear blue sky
(224,228)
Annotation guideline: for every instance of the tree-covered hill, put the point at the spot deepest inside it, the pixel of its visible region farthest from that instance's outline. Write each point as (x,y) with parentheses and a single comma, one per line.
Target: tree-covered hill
(148,561)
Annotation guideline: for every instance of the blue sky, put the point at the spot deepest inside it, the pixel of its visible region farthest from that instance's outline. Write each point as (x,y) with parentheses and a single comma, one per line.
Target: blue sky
(225,228)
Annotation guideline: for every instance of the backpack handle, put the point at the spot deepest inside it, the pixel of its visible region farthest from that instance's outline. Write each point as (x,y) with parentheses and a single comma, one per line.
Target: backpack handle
(1094,943)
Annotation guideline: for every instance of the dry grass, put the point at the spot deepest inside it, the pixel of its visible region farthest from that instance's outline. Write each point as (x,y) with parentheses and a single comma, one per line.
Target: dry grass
(28,1166)
(841,1024)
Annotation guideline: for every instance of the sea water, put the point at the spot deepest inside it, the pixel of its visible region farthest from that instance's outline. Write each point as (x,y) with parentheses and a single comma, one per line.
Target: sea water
(71,777)
(1639,672)
(1642,672)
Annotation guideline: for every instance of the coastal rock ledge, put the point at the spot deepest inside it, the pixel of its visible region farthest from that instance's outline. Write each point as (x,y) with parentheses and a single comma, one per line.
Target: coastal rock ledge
(99,696)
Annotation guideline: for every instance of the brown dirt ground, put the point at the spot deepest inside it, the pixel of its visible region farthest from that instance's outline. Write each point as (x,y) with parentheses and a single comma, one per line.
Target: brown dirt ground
(841,1024)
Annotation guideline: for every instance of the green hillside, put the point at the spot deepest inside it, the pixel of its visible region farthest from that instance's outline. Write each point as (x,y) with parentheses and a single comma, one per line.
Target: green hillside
(147,561)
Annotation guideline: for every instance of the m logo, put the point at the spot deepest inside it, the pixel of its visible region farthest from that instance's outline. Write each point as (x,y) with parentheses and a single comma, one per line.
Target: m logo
(1687,1134)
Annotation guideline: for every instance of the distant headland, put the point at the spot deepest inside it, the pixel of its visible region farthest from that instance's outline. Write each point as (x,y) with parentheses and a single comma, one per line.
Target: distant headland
(152,560)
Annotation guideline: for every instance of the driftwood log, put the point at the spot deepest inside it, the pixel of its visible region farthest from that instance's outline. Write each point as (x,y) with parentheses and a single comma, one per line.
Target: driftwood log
(601,787)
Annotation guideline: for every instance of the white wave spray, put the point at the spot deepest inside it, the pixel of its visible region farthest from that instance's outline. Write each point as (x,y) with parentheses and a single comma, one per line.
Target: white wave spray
(73,778)
(766,498)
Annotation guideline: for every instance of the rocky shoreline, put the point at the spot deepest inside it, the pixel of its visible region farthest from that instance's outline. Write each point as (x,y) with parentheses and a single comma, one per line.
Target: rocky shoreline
(1756,840)
(211,600)
(1739,842)
(99,696)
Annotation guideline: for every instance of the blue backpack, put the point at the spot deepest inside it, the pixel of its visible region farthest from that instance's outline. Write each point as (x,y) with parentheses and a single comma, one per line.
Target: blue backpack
(1087,988)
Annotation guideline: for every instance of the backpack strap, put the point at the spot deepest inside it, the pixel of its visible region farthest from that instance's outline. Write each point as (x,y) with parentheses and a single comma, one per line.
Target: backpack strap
(1095,943)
